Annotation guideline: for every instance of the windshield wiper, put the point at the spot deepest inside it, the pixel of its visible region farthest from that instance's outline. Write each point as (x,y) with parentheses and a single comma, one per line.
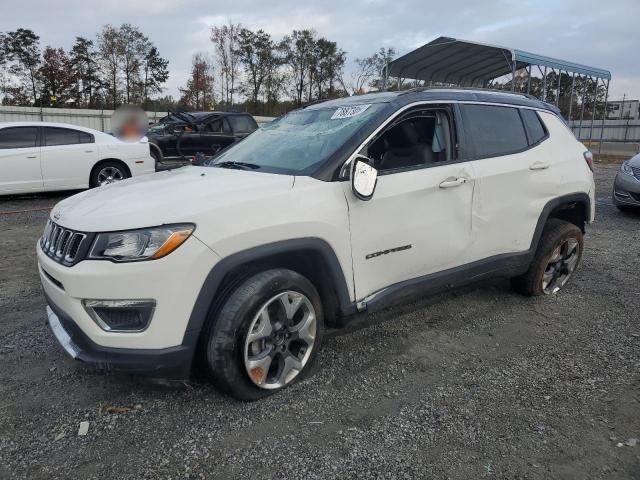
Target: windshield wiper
(236,165)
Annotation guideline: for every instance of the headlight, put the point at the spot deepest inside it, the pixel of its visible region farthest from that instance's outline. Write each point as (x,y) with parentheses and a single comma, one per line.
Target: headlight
(626,168)
(143,244)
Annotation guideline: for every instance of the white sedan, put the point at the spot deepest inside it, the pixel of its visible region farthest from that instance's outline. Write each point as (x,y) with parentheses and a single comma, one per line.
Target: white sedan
(43,156)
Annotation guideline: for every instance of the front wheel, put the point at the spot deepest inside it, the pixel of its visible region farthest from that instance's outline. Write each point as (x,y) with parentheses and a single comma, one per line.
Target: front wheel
(557,256)
(265,336)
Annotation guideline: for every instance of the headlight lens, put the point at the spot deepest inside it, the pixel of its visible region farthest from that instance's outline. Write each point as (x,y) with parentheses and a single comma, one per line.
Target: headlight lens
(144,244)
(626,168)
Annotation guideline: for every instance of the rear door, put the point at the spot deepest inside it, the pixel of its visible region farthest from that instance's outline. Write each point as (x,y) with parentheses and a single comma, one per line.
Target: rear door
(515,176)
(20,160)
(242,125)
(68,156)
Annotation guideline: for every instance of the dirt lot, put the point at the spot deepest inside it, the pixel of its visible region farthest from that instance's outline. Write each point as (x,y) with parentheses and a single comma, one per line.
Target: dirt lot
(480,383)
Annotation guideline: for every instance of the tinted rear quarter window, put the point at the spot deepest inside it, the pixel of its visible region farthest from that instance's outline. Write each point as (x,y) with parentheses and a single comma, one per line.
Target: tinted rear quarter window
(494,130)
(242,123)
(18,137)
(65,136)
(534,126)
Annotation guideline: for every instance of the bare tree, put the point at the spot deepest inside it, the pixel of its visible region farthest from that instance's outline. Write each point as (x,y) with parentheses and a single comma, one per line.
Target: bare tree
(58,77)
(198,92)
(111,53)
(225,41)
(135,46)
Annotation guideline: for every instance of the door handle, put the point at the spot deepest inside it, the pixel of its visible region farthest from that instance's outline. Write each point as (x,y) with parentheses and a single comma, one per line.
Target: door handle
(32,156)
(539,166)
(453,182)
(88,151)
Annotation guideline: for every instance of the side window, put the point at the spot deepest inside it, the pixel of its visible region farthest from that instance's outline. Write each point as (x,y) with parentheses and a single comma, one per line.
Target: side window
(86,137)
(65,136)
(494,130)
(214,127)
(242,123)
(18,137)
(421,139)
(534,126)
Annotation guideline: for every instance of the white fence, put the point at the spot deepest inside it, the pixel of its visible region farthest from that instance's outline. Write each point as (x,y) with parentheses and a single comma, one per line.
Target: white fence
(96,119)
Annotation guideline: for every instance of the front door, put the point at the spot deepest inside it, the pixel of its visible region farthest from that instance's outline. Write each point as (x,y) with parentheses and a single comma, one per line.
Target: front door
(19,160)
(215,136)
(419,218)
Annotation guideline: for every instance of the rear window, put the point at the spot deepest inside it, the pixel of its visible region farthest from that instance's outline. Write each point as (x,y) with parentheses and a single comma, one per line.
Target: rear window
(494,130)
(534,126)
(18,137)
(65,136)
(242,123)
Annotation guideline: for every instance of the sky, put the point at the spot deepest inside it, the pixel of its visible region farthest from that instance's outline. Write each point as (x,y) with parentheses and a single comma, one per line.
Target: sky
(598,33)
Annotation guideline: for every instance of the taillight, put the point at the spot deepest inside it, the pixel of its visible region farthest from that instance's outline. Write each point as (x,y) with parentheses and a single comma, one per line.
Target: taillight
(588,157)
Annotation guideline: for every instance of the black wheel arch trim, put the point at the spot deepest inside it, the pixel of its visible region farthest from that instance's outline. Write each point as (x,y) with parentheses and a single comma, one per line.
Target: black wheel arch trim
(578,197)
(214,279)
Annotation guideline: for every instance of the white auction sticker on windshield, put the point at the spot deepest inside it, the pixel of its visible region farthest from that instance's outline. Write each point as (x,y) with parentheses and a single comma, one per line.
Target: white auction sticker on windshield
(348,112)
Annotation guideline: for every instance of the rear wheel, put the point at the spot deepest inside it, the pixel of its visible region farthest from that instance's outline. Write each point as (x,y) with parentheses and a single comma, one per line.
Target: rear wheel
(108,172)
(558,254)
(266,335)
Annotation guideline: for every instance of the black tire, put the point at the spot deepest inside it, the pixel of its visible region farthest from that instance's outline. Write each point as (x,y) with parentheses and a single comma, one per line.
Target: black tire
(555,233)
(225,334)
(628,209)
(95,173)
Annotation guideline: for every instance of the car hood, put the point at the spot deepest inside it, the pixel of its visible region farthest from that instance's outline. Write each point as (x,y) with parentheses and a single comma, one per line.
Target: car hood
(175,196)
(635,161)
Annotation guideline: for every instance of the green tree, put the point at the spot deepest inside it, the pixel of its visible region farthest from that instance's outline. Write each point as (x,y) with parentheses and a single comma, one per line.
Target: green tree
(156,73)
(256,54)
(86,69)
(22,50)
(299,56)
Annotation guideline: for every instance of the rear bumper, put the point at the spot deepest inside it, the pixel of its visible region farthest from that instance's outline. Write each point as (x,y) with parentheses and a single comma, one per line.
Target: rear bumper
(171,363)
(626,190)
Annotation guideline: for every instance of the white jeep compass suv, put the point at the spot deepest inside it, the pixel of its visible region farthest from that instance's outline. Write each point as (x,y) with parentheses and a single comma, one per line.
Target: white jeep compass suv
(338,208)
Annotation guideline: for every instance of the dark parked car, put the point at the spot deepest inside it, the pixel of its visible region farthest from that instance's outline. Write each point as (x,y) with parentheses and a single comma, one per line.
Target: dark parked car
(196,134)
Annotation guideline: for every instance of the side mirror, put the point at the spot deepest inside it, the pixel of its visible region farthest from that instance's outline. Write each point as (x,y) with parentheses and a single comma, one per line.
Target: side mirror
(363,178)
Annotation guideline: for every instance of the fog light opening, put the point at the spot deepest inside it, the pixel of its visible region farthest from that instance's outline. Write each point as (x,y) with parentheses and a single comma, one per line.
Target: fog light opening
(121,315)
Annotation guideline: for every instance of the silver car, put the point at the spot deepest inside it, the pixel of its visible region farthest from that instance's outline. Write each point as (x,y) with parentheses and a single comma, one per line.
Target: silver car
(626,188)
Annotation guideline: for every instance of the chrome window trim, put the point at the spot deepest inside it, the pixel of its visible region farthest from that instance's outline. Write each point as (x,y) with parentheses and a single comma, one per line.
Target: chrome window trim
(345,168)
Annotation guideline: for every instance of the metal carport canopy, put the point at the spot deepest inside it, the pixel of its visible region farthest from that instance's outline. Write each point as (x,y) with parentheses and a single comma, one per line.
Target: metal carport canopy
(465,63)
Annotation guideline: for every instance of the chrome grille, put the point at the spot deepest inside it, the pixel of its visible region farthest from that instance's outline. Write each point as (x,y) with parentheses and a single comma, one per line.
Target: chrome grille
(61,244)
(636,172)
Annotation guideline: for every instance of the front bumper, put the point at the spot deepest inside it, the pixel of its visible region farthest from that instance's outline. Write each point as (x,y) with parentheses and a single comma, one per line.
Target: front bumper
(626,190)
(173,362)
(166,345)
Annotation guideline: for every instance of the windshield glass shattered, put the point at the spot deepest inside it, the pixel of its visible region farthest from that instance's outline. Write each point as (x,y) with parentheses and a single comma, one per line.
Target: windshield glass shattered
(298,142)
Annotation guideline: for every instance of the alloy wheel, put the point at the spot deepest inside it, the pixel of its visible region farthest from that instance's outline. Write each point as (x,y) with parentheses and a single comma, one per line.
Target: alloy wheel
(561,266)
(109,175)
(280,340)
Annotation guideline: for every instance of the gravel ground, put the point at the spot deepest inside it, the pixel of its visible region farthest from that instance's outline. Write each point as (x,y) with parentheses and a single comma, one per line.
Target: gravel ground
(477,383)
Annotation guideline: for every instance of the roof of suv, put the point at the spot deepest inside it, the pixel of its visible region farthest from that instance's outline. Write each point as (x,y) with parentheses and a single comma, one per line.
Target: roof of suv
(440,94)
